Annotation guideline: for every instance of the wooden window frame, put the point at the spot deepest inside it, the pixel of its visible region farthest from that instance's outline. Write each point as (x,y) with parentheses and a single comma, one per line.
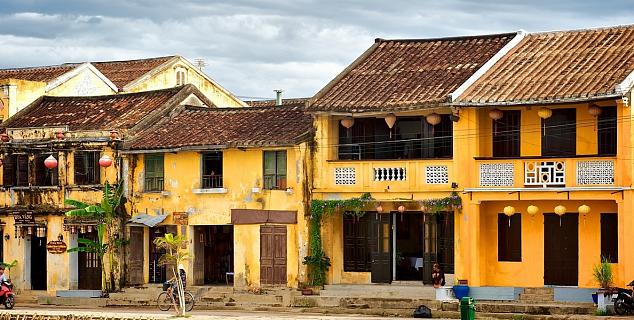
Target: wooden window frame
(610,237)
(509,243)
(209,181)
(280,175)
(45,177)
(607,131)
(85,162)
(154,179)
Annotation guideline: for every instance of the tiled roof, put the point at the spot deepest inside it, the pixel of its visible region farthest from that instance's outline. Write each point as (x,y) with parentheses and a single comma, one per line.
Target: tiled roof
(44,73)
(407,74)
(122,73)
(558,67)
(293,102)
(121,111)
(228,127)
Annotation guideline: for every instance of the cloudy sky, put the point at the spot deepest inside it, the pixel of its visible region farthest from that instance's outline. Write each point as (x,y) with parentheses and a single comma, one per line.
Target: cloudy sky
(252,47)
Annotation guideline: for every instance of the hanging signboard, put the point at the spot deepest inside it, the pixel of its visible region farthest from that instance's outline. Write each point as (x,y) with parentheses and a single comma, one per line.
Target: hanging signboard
(24,217)
(180,218)
(56,247)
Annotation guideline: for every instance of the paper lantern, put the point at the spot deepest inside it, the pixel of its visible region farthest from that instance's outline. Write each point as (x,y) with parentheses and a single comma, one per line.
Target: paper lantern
(560,210)
(532,210)
(50,162)
(433,119)
(594,110)
(584,209)
(347,122)
(105,161)
(544,113)
(379,208)
(0,162)
(114,134)
(509,211)
(390,119)
(4,137)
(496,114)
(401,208)
(59,135)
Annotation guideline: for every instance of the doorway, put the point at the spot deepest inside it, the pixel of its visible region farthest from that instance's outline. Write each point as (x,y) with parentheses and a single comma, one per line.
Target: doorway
(273,254)
(213,254)
(409,246)
(89,268)
(381,248)
(38,263)
(157,271)
(561,249)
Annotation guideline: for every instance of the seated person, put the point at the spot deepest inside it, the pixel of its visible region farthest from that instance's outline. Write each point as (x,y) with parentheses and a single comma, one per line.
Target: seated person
(437,276)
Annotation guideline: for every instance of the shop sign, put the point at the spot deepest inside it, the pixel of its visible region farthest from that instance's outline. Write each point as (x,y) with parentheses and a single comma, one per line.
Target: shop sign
(180,218)
(56,247)
(25,217)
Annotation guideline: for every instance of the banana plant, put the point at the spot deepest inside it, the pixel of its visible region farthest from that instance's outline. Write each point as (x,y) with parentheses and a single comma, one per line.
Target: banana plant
(175,255)
(8,266)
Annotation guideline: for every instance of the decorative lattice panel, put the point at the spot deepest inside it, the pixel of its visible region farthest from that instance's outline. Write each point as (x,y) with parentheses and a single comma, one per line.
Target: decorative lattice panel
(390,174)
(545,173)
(436,175)
(345,176)
(497,174)
(595,172)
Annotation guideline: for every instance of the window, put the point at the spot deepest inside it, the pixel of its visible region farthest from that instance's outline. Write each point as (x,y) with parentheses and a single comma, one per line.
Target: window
(87,169)
(609,237)
(509,237)
(274,170)
(15,170)
(356,252)
(153,172)
(212,170)
(559,133)
(506,134)
(410,138)
(606,131)
(181,77)
(43,175)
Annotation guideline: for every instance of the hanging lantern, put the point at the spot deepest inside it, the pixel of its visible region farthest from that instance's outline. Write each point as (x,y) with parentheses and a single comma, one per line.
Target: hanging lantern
(401,208)
(50,162)
(105,161)
(73,230)
(114,134)
(390,119)
(82,229)
(29,231)
(584,209)
(544,112)
(59,135)
(40,232)
(594,110)
(89,229)
(496,114)
(4,137)
(560,210)
(379,209)
(509,211)
(433,119)
(532,210)
(347,122)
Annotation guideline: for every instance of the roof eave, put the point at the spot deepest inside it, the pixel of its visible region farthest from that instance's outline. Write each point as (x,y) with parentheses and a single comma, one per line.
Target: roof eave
(539,102)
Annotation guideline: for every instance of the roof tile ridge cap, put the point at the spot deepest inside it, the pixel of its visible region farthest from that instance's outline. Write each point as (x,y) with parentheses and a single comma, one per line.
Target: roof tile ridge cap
(591,29)
(110,96)
(449,38)
(54,66)
(137,60)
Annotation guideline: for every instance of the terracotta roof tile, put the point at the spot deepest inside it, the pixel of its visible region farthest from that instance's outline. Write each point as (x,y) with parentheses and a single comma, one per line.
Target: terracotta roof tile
(230,127)
(406,74)
(122,73)
(44,73)
(292,102)
(121,111)
(557,67)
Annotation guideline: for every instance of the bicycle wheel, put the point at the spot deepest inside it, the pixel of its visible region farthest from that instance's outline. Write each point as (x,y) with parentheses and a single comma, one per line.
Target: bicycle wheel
(164,301)
(189,301)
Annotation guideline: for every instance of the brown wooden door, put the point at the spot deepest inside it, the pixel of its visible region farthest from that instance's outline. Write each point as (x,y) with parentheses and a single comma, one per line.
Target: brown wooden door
(135,261)
(381,244)
(273,254)
(199,256)
(561,249)
(89,268)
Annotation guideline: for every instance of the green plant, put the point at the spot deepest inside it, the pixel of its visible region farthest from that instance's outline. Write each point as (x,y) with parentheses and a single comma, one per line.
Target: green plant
(8,266)
(433,206)
(175,254)
(601,313)
(602,273)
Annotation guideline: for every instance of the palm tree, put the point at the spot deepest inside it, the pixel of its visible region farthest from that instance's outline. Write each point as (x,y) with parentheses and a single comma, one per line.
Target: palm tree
(106,212)
(175,255)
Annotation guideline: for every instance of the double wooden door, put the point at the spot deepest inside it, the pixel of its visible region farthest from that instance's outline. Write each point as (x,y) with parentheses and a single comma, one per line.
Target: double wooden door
(272,254)
(381,248)
(89,268)
(561,249)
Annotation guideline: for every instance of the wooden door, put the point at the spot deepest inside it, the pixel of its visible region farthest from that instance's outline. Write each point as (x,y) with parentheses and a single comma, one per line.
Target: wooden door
(199,256)
(135,260)
(38,263)
(381,244)
(561,249)
(89,268)
(559,133)
(273,254)
(430,246)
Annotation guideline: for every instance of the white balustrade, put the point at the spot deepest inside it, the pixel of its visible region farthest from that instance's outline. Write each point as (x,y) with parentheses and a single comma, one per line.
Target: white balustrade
(545,173)
(390,174)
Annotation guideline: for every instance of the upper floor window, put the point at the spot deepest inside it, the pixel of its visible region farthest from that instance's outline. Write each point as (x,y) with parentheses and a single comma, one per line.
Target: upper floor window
(274,169)
(410,138)
(212,170)
(559,133)
(606,131)
(15,170)
(43,175)
(154,173)
(181,76)
(87,170)
(506,134)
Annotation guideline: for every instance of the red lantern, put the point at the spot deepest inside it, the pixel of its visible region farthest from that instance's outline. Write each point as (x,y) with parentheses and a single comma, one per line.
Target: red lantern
(105,161)
(4,137)
(50,162)
(379,208)
(59,135)
(401,209)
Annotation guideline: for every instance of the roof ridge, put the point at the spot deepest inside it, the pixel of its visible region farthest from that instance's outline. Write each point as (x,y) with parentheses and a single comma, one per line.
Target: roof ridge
(109,96)
(136,60)
(63,65)
(450,38)
(207,109)
(602,28)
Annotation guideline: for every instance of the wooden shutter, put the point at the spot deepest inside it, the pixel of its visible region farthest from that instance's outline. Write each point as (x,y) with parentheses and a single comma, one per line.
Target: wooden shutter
(9,173)
(80,168)
(135,261)
(22,177)
(356,254)
(273,254)
(280,169)
(509,237)
(610,237)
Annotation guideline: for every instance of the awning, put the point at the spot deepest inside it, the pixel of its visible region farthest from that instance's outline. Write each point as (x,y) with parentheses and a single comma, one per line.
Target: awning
(147,220)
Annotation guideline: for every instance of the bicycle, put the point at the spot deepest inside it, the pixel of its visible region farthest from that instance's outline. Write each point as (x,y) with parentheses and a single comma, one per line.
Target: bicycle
(168,298)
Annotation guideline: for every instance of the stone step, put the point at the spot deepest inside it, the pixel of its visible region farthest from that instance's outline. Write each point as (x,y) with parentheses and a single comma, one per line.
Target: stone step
(535,308)
(537,297)
(379,291)
(539,290)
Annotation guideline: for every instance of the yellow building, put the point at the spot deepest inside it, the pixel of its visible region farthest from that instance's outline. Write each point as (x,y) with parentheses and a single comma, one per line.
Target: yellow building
(234,182)
(21,86)
(74,133)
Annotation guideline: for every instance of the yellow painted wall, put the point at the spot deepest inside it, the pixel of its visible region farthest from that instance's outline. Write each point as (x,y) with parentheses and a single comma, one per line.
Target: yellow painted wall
(242,171)
(85,83)
(20,93)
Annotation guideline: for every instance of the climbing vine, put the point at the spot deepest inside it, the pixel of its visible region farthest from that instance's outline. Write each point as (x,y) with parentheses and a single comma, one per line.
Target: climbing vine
(318,263)
(434,206)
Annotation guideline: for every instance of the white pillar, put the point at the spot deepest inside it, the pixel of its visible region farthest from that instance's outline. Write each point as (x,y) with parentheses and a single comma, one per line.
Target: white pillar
(73,263)
(27,264)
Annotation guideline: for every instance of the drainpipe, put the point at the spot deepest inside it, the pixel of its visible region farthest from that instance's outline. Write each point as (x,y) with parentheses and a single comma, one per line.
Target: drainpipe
(278,97)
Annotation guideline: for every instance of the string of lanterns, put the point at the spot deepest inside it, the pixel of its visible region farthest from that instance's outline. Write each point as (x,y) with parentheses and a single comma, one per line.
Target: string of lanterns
(532,210)
(390,119)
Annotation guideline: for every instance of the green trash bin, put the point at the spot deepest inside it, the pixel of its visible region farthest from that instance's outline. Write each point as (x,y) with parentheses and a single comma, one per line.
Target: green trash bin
(467,308)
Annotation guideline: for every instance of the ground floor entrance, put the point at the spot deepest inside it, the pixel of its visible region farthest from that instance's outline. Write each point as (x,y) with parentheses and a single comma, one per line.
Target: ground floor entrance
(213,254)
(561,249)
(38,262)
(88,267)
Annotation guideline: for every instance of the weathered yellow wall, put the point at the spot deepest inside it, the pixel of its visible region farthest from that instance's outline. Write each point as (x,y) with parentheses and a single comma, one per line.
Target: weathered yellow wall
(23,94)
(242,171)
(85,83)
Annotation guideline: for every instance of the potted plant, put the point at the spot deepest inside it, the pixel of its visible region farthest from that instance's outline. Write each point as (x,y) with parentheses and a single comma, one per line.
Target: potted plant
(461,289)
(603,275)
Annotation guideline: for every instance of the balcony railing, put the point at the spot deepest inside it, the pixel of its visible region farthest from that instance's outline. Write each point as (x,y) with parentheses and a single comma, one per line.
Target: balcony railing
(547,173)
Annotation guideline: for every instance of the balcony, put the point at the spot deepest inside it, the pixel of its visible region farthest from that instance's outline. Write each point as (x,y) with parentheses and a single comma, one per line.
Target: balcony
(547,172)
(379,175)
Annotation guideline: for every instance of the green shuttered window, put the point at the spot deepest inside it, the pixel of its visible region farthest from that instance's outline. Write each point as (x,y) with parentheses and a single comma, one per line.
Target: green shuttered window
(154,173)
